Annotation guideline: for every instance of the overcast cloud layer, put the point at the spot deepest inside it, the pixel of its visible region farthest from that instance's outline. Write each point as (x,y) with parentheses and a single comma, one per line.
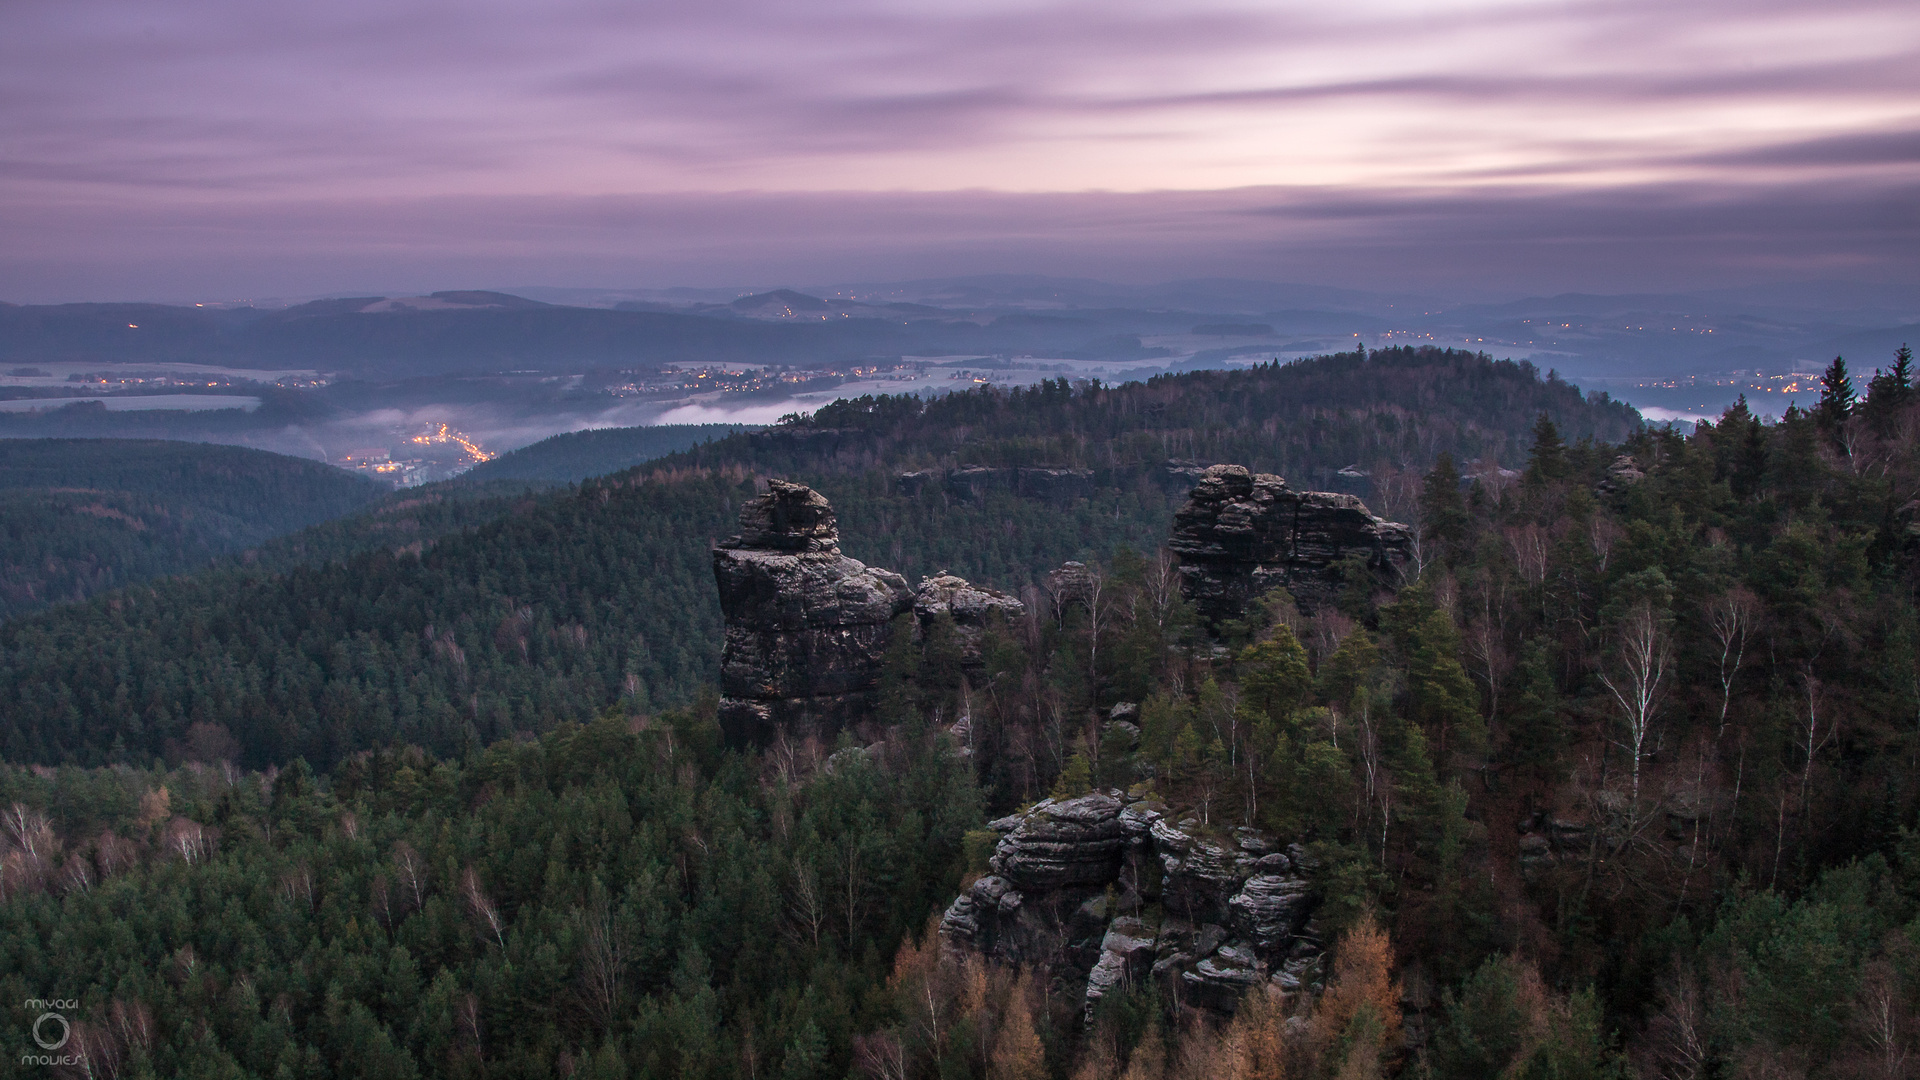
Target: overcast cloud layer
(204,149)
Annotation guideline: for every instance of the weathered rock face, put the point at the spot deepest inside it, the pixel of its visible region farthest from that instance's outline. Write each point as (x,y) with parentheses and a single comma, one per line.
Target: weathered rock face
(1108,889)
(806,627)
(1241,534)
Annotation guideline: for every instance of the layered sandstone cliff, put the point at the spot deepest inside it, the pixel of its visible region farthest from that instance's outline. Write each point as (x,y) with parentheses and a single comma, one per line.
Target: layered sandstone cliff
(1240,534)
(1110,889)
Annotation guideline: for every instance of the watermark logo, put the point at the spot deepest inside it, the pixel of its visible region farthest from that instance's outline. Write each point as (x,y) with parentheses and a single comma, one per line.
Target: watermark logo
(45,1025)
(51,1031)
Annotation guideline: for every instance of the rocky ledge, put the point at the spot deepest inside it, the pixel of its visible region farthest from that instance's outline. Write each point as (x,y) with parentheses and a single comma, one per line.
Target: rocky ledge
(1241,534)
(1109,889)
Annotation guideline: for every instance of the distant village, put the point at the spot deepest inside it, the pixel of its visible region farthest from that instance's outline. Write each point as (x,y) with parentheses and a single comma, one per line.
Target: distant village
(438,453)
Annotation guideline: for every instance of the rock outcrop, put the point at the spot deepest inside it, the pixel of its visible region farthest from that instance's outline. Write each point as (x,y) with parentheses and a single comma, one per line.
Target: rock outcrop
(806,627)
(1109,889)
(969,483)
(1621,475)
(1241,534)
(970,607)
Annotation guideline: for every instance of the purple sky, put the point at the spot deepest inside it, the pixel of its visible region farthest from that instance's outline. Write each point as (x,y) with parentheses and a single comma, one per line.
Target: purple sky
(202,149)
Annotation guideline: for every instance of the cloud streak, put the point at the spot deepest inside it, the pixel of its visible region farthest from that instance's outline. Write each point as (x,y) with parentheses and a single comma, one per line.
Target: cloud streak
(1454,241)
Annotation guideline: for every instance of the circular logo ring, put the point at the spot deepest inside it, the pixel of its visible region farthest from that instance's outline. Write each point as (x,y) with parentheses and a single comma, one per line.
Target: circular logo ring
(66,1031)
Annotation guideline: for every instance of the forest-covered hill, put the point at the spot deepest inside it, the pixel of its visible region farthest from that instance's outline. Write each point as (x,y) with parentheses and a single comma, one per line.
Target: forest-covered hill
(84,516)
(577,600)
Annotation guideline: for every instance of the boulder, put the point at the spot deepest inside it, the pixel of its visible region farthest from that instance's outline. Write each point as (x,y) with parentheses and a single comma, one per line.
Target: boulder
(1218,980)
(1242,534)
(1126,957)
(1198,874)
(1073,583)
(1269,909)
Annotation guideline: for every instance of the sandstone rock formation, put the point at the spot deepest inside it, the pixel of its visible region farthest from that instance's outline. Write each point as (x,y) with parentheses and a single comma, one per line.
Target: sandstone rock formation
(806,627)
(1241,534)
(1109,889)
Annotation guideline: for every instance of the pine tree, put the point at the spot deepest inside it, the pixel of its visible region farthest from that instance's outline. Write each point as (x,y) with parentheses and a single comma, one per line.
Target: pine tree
(1837,398)
(1274,677)
(806,1055)
(1075,780)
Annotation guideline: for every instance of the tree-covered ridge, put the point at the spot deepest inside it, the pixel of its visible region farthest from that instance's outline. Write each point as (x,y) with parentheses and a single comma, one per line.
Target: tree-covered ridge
(579,599)
(1391,408)
(84,516)
(409,520)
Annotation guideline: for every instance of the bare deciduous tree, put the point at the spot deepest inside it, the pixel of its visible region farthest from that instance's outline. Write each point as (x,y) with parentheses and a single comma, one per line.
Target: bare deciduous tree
(412,872)
(806,905)
(1731,618)
(485,915)
(1676,1043)
(1637,681)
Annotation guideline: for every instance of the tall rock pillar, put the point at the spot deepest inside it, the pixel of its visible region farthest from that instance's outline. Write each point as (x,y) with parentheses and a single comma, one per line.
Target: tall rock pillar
(806,627)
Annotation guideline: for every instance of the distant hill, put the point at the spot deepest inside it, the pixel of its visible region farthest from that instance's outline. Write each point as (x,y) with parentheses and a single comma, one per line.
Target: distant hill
(575,456)
(80,516)
(780,301)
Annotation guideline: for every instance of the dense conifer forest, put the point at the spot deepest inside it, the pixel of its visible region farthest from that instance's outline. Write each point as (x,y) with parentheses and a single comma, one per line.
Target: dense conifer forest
(1618,781)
